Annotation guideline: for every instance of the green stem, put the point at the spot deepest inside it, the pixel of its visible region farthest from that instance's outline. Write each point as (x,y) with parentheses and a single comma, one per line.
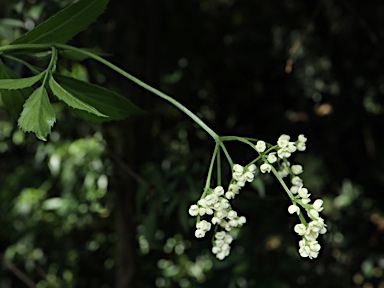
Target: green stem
(144,85)
(218,159)
(208,182)
(226,154)
(282,183)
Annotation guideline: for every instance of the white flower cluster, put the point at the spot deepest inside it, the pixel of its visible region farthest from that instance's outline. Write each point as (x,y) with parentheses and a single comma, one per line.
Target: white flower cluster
(215,202)
(308,246)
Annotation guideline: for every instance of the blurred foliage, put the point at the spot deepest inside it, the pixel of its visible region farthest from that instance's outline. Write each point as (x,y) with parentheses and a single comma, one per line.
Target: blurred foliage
(228,60)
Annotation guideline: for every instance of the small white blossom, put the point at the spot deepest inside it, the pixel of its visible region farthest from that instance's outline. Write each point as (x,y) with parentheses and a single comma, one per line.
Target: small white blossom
(294,189)
(238,168)
(303,192)
(318,205)
(219,190)
(272,157)
(201,211)
(252,168)
(193,210)
(302,138)
(229,195)
(199,233)
(300,229)
(265,168)
(294,209)
(232,214)
(297,169)
(215,220)
(283,141)
(234,188)
(313,213)
(260,146)
(283,153)
(297,181)
(242,220)
(301,146)
(249,176)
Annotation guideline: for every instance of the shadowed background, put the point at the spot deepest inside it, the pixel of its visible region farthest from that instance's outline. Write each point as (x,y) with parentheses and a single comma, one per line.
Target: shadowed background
(106,206)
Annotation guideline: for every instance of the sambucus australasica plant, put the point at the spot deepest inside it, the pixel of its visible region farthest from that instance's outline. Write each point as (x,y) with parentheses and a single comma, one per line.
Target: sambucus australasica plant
(35,114)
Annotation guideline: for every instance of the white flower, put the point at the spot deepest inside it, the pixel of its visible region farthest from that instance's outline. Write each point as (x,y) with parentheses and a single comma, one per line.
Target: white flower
(219,190)
(283,141)
(265,168)
(252,168)
(228,239)
(241,220)
(234,188)
(297,181)
(193,210)
(291,147)
(202,203)
(301,146)
(238,168)
(215,220)
(260,146)
(300,229)
(294,209)
(229,195)
(303,192)
(302,138)
(313,213)
(294,189)
(201,211)
(232,214)
(249,176)
(297,169)
(199,233)
(203,225)
(272,157)
(283,153)
(318,205)
(220,235)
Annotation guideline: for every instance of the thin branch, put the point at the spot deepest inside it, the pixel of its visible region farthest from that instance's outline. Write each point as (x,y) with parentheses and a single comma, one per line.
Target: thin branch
(299,41)
(17,272)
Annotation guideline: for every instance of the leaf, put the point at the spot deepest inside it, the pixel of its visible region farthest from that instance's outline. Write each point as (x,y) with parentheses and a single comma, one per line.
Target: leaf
(71,100)
(65,24)
(13,100)
(21,83)
(38,115)
(105,101)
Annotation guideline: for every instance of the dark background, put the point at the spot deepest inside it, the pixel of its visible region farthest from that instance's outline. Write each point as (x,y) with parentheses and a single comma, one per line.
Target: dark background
(247,68)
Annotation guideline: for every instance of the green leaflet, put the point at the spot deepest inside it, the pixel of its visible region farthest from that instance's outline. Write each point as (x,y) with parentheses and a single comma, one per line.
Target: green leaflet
(70,99)
(13,99)
(37,115)
(105,101)
(65,24)
(21,83)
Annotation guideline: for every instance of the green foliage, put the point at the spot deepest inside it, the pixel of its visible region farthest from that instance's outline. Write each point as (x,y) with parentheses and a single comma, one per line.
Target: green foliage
(107,102)
(71,100)
(65,24)
(91,102)
(13,100)
(37,115)
(13,84)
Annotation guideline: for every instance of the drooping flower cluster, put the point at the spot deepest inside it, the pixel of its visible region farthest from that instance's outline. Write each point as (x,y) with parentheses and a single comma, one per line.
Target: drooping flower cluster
(216,202)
